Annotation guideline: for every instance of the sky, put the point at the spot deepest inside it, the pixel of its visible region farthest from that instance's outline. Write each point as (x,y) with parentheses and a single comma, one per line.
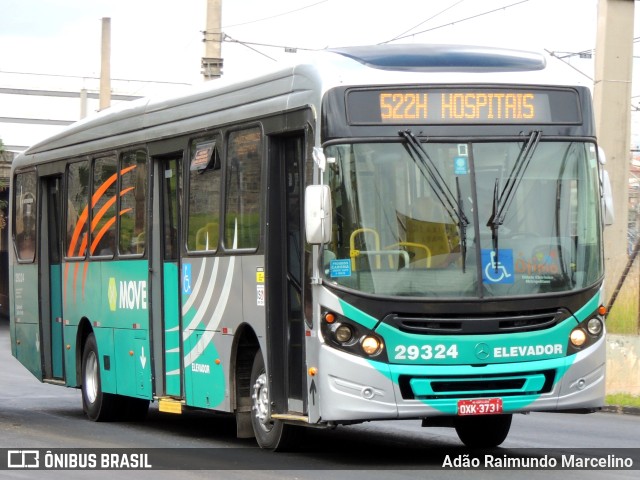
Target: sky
(156,45)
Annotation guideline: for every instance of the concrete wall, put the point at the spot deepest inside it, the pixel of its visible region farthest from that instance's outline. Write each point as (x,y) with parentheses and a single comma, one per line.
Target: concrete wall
(623,364)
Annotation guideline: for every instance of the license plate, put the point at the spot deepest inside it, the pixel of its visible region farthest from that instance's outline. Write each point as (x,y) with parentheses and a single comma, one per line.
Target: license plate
(480,406)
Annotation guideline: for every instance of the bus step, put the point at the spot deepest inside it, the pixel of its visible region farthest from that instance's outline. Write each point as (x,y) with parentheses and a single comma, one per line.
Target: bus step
(170,405)
(289,417)
(54,381)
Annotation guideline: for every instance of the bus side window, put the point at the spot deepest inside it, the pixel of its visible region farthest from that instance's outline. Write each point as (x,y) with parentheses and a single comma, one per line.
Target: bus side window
(77,209)
(205,179)
(25,216)
(243,181)
(103,217)
(132,201)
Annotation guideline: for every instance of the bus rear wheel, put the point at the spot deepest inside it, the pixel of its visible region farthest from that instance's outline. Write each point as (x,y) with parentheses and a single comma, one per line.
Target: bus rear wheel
(484,431)
(270,434)
(97,405)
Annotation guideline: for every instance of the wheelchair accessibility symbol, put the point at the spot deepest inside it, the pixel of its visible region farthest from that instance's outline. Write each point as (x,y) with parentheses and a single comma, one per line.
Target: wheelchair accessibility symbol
(497,268)
(186,278)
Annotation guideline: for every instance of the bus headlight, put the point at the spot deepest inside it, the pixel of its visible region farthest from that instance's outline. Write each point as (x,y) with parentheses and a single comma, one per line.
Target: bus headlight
(578,337)
(371,345)
(343,333)
(594,326)
(587,333)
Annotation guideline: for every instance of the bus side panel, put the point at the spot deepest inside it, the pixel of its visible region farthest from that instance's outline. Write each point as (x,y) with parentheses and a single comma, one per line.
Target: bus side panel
(132,363)
(210,304)
(25,326)
(171,332)
(71,358)
(124,313)
(204,376)
(27,347)
(57,341)
(105,342)
(112,296)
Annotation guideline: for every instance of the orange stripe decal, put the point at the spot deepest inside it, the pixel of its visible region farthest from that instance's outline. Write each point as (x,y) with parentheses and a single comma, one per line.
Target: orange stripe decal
(79,237)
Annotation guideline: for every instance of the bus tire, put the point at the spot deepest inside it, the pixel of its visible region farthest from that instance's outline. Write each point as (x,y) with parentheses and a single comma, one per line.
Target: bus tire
(97,405)
(483,431)
(270,434)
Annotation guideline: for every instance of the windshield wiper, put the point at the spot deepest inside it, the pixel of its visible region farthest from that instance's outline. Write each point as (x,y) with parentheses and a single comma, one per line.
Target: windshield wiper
(452,204)
(502,202)
(462,225)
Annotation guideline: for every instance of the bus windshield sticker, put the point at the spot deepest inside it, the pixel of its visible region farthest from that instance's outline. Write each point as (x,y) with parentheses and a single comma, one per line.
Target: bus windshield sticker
(260,295)
(497,268)
(540,268)
(340,268)
(202,156)
(460,165)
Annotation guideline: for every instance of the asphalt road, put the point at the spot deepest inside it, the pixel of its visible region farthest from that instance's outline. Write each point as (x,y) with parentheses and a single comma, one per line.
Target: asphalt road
(41,416)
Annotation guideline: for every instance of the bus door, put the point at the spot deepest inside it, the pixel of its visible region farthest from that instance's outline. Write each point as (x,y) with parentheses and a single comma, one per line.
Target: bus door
(166,253)
(284,270)
(51,278)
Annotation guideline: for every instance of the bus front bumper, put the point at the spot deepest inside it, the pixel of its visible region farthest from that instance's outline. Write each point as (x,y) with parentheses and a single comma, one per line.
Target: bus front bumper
(352,388)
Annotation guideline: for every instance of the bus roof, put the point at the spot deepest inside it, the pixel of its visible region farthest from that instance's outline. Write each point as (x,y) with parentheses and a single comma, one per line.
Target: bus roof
(304,83)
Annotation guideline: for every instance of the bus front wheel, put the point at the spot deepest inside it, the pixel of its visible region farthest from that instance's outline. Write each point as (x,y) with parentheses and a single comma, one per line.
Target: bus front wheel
(484,431)
(270,434)
(97,405)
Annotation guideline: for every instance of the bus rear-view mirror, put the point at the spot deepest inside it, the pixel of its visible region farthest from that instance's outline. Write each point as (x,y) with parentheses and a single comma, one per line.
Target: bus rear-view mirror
(317,214)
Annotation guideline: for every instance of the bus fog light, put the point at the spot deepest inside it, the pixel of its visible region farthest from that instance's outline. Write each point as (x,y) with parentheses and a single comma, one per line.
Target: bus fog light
(578,337)
(594,326)
(343,333)
(371,345)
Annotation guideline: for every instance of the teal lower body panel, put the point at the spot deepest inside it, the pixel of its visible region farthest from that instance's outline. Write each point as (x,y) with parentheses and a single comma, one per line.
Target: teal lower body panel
(172,365)
(132,363)
(71,355)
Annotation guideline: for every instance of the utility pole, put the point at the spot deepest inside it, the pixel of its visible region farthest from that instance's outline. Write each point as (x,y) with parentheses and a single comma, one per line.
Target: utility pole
(612,104)
(105,65)
(212,60)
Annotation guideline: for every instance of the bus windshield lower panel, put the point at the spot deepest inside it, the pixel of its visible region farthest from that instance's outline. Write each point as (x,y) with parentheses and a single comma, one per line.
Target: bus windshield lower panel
(464,220)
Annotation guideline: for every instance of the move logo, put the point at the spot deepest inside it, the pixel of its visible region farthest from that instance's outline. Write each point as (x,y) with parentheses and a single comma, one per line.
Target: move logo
(113,294)
(128,295)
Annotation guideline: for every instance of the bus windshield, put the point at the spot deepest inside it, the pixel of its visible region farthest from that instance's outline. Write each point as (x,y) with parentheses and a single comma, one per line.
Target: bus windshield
(471,219)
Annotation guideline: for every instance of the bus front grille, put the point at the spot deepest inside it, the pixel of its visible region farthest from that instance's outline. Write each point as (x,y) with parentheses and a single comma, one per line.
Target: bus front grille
(456,324)
(501,385)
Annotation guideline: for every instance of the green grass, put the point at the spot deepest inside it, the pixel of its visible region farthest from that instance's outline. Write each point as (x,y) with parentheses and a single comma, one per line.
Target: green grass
(623,399)
(623,318)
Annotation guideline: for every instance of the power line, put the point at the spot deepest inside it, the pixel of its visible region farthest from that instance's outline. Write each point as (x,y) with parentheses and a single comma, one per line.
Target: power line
(504,7)
(553,54)
(83,77)
(227,38)
(275,16)
(423,22)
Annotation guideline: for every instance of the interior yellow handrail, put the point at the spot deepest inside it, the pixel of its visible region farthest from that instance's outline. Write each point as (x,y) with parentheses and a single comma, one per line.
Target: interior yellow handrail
(410,244)
(353,253)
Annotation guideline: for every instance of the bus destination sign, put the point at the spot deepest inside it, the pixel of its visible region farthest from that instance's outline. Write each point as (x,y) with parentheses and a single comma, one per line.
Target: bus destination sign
(441,106)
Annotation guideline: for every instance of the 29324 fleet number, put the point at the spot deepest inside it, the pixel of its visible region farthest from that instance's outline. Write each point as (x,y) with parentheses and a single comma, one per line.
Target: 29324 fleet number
(425,352)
